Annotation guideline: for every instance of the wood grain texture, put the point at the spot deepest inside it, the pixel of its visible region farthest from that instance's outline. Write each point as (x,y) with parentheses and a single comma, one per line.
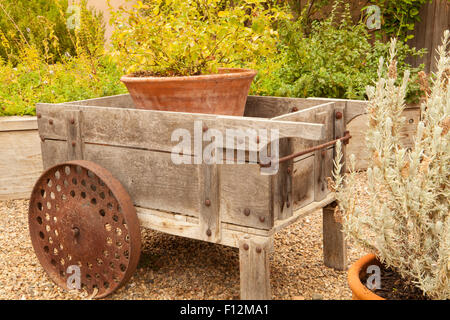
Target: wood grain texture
(254,268)
(270,107)
(16,123)
(243,187)
(358,128)
(153,130)
(303,182)
(185,226)
(209,215)
(334,244)
(20,163)
(428,32)
(75,143)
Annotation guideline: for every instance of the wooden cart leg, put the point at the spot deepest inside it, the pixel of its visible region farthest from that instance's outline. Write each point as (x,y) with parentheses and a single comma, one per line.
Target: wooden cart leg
(254,267)
(334,244)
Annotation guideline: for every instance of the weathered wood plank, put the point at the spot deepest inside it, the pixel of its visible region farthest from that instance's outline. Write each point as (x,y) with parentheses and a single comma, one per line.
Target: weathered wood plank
(51,120)
(117,101)
(358,128)
(302,212)
(53,152)
(75,144)
(323,158)
(303,182)
(189,227)
(209,216)
(153,130)
(282,183)
(151,178)
(245,196)
(353,108)
(254,268)
(17,123)
(20,163)
(270,107)
(334,244)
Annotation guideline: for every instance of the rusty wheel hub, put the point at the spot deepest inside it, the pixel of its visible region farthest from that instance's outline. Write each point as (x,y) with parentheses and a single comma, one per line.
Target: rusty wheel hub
(83,224)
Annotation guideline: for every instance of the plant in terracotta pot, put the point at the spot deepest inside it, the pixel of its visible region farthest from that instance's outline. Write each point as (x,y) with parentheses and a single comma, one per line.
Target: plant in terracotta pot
(193,55)
(407,224)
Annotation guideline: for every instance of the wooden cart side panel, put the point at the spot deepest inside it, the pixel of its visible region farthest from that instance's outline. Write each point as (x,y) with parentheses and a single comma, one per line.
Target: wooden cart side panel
(303,182)
(150,178)
(245,196)
(153,130)
(53,152)
(270,107)
(282,183)
(117,101)
(352,108)
(309,171)
(209,214)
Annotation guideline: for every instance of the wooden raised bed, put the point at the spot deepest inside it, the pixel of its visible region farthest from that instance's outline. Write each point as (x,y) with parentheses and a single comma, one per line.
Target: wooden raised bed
(20,157)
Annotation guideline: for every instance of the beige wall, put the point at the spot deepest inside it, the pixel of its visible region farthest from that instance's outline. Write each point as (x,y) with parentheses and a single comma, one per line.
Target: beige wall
(102,5)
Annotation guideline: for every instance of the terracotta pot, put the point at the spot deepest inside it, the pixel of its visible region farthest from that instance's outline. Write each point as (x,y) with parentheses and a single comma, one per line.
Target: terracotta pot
(222,93)
(356,271)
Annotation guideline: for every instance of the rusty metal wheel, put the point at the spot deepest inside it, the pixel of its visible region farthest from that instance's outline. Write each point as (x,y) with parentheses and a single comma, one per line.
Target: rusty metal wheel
(80,215)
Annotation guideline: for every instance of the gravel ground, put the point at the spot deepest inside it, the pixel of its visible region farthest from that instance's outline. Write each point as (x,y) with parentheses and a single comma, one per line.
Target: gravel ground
(179,268)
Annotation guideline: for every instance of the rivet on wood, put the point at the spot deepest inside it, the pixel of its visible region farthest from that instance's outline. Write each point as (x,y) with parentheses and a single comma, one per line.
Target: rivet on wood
(262,219)
(247,211)
(50,121)
(74,143)
(205,128)
(338,115)
(258,250)
(411,121)
(39,115)
(208,233)
(289,170)
(294,109)
(245,246)
(72,121)
(207,202)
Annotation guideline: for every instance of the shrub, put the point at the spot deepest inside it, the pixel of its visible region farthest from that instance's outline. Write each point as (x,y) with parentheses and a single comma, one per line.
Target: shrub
(408,223)
(29,75)
(336,60)
(177,37)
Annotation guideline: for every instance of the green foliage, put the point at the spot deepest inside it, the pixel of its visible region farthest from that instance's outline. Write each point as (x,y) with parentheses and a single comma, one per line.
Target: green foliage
(33,74)
(73,79)
(191,37)
(42,24)
(335,60)
(399,17)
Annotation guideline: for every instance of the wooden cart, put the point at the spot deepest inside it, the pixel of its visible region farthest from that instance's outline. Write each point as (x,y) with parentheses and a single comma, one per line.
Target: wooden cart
(229,204)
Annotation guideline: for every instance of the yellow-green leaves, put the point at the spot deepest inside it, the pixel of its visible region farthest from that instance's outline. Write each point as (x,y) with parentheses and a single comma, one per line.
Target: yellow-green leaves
(176,37)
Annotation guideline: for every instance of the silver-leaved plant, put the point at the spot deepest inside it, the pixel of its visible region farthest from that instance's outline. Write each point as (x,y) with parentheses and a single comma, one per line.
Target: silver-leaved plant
(407,223)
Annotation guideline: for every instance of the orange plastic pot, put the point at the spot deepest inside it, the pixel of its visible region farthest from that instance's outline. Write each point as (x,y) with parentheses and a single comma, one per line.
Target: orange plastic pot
(356,271)
(222,93)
